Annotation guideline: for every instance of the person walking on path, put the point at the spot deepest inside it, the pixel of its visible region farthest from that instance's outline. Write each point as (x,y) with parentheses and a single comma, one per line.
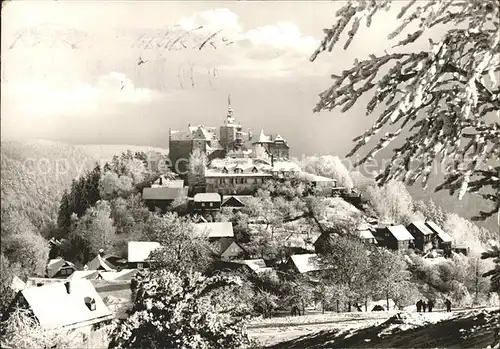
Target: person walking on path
(447,302)
(430,305)
(424,306)
(419,306)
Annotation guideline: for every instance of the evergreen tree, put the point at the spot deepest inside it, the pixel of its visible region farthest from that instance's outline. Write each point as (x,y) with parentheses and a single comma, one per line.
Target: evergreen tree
(494,273)
(441,100)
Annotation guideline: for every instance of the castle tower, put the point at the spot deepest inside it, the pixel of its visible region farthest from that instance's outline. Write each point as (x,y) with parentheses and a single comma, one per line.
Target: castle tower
(229,116)
(231,135)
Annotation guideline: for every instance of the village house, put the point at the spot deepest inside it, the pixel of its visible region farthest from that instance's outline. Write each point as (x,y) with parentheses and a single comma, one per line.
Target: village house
(235,202)
(422,234)
(304,264)
(322,185)
(164,182)
(215,231)
(60,268)
(365,233)
(246,265)
(139,253)
(228,248)
(206,203)
(162,197)
(70,304)
(441,239)
(102,262)
(461,248)
(394,237)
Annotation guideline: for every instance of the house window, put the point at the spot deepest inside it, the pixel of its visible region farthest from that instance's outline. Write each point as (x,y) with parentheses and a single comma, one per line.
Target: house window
(211,204)
(202,204)
(224,170)
(255,170)
(139,266)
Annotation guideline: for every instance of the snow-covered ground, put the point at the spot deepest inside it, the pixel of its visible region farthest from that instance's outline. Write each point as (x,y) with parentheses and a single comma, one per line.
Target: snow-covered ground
(379,329)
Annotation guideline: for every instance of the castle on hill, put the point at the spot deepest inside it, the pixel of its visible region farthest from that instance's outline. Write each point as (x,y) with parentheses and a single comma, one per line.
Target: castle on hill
(225,141)
(237,162)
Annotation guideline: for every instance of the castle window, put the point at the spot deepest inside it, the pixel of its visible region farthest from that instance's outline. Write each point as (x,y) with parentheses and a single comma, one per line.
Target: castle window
(238,170)
(224,170)
(255,170)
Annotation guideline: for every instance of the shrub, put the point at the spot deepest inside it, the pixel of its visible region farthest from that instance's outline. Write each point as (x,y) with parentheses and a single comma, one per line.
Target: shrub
(183,310)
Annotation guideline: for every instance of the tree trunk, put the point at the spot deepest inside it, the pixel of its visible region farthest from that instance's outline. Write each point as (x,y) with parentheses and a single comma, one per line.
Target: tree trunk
(366,304)
(349,306)
(323,306)
(387,299)
(338,305)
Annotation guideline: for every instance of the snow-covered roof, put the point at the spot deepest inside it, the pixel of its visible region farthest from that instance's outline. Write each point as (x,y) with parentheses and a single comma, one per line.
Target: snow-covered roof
(263,138)
(254,264)
(422,227)
(305,262)
(164,193)
(84,274)
(400,232)
(440,232)
(61,305)
(139,251)
(17,284)
(168,183)
(57,264)
(215,229)
(279,139)
(99,262)
(207,197)
(365,234)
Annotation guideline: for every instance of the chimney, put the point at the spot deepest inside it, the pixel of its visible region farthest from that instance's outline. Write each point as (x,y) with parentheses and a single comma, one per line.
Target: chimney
(67,284)
(90,303)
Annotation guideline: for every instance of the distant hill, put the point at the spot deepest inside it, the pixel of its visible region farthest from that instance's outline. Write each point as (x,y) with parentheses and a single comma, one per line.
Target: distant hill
(35,173)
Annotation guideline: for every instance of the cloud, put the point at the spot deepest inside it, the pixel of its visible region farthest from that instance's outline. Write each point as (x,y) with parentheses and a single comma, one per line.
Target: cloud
(41,99)
(282,35)
(273,50)
(213,21)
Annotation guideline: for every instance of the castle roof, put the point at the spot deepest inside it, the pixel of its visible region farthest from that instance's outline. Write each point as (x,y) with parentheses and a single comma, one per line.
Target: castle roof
(263,138)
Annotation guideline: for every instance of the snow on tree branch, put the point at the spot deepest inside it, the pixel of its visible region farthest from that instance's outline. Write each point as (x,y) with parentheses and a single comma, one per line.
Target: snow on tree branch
(445,96)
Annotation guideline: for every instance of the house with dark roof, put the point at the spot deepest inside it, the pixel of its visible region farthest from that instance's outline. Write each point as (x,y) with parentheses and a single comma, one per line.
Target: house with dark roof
(422,234)
(70,304)
(235,202)
(228,248)
(139,253)
(215,230)
(440,238)
(59,268)
(162,197)
(394,237)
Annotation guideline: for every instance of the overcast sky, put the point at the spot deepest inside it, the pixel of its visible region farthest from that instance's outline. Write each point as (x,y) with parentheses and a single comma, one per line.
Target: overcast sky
(70,70)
